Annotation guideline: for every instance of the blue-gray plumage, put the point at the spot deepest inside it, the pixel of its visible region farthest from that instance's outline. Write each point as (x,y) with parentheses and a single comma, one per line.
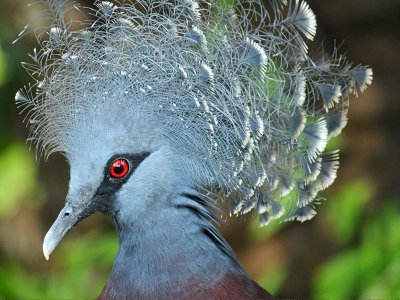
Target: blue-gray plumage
(163,108)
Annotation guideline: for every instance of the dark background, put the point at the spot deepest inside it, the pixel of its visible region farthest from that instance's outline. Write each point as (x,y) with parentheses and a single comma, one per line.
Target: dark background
(350,249)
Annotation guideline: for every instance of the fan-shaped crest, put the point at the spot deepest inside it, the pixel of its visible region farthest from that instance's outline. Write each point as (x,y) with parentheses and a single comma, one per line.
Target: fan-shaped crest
(228,84)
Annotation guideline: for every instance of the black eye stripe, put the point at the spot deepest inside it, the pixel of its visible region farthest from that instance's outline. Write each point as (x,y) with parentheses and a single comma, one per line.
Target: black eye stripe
(134,161)
(111,185)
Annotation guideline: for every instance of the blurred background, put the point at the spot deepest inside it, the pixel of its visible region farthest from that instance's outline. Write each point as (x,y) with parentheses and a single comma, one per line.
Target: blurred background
(351,249)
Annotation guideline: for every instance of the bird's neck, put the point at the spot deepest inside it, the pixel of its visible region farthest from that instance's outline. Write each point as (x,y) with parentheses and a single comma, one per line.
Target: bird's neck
(173,252)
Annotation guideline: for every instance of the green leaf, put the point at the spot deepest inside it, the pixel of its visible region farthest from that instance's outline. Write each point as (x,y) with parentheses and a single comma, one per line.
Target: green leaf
(18,180)
(273,278)
(347,208)
(339,278)
(335,143)
(371,270)
(3,66)
(386,285)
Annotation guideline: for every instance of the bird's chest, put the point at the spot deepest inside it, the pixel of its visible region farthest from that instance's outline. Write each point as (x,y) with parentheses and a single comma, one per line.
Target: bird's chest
(229,286)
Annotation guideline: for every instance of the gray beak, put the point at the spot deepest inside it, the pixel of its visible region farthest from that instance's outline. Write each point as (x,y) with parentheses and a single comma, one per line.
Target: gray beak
(68,217)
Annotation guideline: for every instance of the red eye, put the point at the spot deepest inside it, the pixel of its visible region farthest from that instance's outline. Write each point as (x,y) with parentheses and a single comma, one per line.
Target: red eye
(119,168)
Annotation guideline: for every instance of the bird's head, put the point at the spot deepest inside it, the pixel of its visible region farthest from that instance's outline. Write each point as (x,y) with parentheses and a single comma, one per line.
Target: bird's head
(113,173)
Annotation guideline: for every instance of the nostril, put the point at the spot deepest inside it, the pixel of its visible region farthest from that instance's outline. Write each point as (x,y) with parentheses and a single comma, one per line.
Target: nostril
(66,214)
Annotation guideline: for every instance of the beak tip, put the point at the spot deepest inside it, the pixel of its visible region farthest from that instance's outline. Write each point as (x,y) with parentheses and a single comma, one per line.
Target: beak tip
(47,247)
(46,254)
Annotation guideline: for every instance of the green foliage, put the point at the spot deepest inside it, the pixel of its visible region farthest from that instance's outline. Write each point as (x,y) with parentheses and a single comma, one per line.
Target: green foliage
(337,142)
(18,179)
(273,278)
(370,269)
(3,66)
(339,277)
(11,276)
(346,209)
(86,263)
(80,272)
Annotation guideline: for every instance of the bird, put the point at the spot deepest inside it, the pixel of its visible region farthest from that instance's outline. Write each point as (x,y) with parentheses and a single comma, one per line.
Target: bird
(174,113)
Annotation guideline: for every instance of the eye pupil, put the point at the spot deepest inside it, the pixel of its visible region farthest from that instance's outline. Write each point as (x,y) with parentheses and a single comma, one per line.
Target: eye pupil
(119,168)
